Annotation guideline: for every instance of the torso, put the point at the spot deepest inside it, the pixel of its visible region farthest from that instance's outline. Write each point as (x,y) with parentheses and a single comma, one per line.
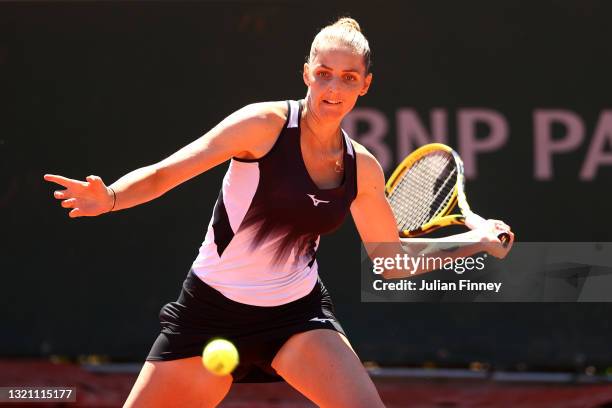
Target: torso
(322,172)
(261,244)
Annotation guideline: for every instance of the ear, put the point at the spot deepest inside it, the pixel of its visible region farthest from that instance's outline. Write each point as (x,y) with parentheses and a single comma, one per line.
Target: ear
(306,74)
(366,85)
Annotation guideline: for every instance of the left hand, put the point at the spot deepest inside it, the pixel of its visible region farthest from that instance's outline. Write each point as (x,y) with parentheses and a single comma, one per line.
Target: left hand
(497,225)
(489,232)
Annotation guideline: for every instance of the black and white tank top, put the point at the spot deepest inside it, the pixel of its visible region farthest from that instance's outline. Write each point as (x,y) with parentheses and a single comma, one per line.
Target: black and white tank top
(261,244)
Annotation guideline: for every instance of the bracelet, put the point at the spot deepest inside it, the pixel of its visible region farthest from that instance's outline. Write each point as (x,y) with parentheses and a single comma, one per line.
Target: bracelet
(114,198)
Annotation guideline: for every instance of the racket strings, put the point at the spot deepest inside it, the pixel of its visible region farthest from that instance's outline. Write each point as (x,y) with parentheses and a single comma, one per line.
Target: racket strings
(431,204)
(429,198)
(413,212)
(424,190)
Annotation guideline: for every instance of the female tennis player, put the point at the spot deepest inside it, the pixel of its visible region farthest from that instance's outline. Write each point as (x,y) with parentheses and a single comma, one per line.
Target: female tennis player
(293,175)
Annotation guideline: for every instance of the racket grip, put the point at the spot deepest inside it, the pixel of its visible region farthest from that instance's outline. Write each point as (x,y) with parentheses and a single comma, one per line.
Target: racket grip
(504,237)
(473,221)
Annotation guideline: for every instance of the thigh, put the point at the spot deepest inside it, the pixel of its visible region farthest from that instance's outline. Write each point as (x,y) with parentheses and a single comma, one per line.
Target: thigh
(322,366)
(177,383)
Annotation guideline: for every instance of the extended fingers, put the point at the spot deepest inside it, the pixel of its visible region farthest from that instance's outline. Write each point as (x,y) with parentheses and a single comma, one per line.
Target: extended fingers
(72,186)
(69,203)
(95,180)
(62,181)
(72,203)
(61,194)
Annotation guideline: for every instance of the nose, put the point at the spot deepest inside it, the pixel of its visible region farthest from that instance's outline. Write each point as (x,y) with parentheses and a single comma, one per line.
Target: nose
(334,85)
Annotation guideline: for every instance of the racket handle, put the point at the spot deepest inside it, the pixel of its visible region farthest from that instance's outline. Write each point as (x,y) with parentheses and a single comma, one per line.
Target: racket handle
(504,237)
(473,221)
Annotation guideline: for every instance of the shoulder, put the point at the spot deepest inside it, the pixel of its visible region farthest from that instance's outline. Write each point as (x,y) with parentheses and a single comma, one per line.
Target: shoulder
(260,124)
(369,170)
(264,114)
(370,175)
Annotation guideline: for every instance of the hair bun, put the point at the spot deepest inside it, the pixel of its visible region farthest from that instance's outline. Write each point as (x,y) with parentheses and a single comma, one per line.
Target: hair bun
(349,22)
(345,32)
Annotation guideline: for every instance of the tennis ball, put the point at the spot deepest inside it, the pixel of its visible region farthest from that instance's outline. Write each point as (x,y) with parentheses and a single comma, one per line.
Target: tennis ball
(220,357)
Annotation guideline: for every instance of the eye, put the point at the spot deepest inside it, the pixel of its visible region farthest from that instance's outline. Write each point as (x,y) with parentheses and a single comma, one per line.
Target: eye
(323,74)
(350,77)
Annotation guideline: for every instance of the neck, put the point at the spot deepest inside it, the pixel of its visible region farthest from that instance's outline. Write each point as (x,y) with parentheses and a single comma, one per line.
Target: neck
(328,133)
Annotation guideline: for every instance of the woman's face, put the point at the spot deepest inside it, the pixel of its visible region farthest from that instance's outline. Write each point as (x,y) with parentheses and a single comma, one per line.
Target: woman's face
(335,79)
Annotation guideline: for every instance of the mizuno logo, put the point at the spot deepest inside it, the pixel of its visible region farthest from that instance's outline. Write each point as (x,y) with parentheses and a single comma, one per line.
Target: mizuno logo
(319,319)
(316,201)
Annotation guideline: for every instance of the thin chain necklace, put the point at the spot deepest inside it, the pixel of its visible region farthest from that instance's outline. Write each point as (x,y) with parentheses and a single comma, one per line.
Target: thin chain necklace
(338,162)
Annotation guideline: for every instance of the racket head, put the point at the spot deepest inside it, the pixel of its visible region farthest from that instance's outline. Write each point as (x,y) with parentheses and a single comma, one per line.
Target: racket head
(464,207)
(424,189)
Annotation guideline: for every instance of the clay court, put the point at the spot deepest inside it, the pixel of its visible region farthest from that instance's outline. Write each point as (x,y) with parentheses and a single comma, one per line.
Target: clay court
(96,389)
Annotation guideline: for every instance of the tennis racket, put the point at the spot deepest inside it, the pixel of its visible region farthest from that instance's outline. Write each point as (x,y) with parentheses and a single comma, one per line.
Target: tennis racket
(426,187)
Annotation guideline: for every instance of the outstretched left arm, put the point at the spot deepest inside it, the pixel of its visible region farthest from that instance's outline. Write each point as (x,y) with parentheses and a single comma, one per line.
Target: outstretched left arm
(376,224)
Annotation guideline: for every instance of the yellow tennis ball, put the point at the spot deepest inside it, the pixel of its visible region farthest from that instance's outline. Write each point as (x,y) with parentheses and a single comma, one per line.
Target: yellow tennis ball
(220,357)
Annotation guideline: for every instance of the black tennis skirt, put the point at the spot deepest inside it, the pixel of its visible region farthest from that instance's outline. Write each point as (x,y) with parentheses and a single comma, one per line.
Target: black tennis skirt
(202,313)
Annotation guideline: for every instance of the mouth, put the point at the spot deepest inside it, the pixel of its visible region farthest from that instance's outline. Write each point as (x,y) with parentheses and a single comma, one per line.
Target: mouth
(331,102)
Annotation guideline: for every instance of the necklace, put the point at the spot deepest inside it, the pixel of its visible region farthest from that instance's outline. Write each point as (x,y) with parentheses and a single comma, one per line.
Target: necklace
(338,162)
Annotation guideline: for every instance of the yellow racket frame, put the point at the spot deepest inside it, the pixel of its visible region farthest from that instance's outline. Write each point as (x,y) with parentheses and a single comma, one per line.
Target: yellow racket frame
(443,219)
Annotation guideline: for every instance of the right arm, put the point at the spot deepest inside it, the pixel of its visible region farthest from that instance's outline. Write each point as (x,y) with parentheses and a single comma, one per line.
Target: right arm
(376,225)
(247,133)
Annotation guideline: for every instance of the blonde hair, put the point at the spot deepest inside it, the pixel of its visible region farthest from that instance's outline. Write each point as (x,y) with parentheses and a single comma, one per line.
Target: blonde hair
(346,31)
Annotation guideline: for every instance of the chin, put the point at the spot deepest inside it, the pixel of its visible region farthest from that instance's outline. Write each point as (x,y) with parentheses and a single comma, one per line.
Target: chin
(332,116)
(332,111)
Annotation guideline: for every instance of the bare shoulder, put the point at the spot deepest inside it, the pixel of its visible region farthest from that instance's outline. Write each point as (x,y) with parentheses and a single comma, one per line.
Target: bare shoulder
(261,124)
(270,114)
(369,172)
(364,156)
